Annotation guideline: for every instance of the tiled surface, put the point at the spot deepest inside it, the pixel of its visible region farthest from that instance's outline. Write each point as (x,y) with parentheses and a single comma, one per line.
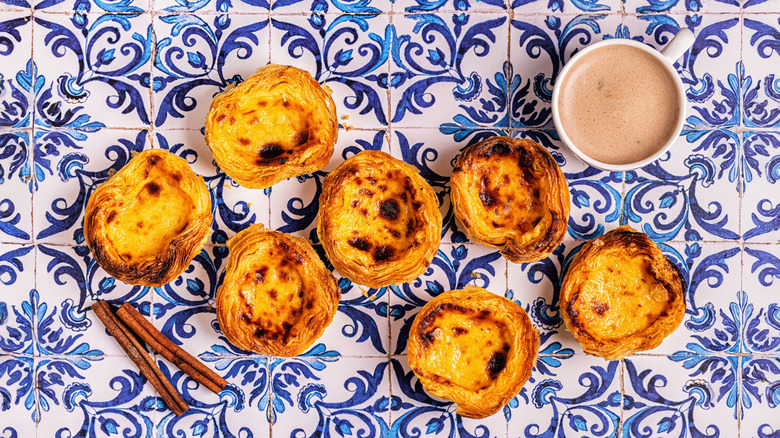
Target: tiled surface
(86,83)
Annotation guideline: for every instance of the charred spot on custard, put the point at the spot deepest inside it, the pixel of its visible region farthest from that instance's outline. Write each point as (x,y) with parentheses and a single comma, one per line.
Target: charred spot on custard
(383,252)
(360,243)
(260,274)
(244,141)
(600,308)
(246,317)
(497,149)
(111,216)
(389,209)
(273,294)
(153,188)
(496,364)
(459,331)
(270,151)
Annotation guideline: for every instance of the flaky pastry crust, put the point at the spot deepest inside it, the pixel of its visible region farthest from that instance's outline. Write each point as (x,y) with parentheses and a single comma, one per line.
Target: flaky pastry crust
(510,194)
(621,295)
(379,220)
(277,297)
(145,224)
(277,124)
(474,348)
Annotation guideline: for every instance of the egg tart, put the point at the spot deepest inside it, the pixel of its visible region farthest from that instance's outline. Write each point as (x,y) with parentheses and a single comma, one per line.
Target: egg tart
(277,124)
(621,295)
(145,224)
(510,194)
(277,297)
(379,220)
(474,348)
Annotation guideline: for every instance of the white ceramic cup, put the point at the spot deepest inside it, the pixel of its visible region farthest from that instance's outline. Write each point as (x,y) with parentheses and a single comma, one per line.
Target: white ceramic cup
(674,50)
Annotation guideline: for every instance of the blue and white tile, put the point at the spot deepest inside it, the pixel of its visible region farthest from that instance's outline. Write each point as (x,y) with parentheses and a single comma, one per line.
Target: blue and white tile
(68,281)
(316,7)
(235,208)
(347,53)
(539,46)
(682,6)
(559,7)
(712,323)
(17,283)
(578,396)
(768,6)
(454,6)
(16,185)
(93,71)
(320,396)
(204,7)
(19,405)
(761,168)
(112,399)
(8,6)
(760,383)
(536,287)
(455,266)
(446,68)
(760,84)
(415,413)
(667,399)
(595,194)
(691,193)
(758,308)
(82,7)
(198,56)
(16,83)
(709,70)
(295,201)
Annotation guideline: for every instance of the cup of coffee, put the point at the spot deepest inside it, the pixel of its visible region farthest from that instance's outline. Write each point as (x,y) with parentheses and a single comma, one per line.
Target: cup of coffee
(619,104)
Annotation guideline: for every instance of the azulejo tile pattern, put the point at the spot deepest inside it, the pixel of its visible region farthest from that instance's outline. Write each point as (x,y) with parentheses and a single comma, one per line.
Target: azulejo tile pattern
(84,84)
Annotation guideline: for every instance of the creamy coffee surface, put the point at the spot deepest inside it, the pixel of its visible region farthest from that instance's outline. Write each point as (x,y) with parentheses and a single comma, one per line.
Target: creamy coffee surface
(618,104)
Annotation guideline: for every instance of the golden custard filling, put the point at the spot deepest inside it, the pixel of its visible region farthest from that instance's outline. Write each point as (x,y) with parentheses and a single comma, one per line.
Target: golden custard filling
(272,293)
(466,347)
(619,298)
(265,131)
(378,222)
(156,211)
(510,199)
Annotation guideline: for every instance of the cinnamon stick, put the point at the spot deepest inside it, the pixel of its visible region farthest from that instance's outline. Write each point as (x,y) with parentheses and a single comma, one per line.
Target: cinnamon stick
(169,350)
(142,360)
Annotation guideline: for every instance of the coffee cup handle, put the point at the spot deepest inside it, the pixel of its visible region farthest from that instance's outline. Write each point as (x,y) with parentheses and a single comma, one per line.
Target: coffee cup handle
(679,45)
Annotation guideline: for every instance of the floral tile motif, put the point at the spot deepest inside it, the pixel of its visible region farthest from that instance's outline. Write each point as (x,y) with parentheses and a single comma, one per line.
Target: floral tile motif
(692,193)
(327,397)
(760,86)
(74,164)
(710,70)
(713,320)
(457,6)
(539,46)
(667,401)
(361,7)
(760,382)
(17,282)
(347,53)
(448,64)
(761,168)
(564,6)
(114,399)
(19,406)
(198,56)
(82,7)
(758,308)
(16,186)
(211,6)
(16,86)
(415,413)
(235,208)
(681,6)
(455,266)
(92,71)
(574,396)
